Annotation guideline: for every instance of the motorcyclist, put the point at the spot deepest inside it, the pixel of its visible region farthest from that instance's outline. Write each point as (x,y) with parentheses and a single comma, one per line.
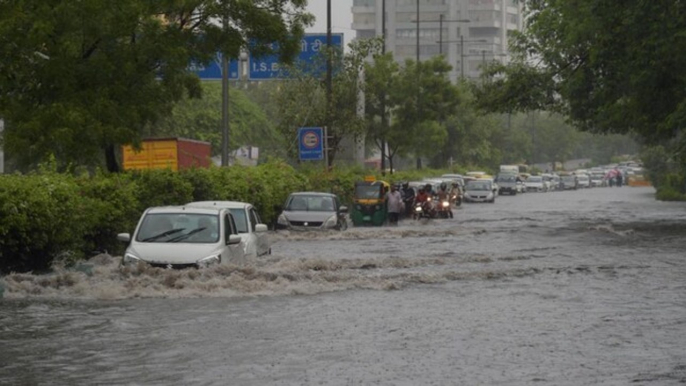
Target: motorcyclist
(442,192)
(422,196)
(429,190)
(455,193)
(408,198)
(443,195)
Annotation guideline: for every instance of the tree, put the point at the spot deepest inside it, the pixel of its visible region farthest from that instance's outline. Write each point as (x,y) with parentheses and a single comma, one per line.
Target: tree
(200,118)
(379,77)
(302,99)
(609,67)
(423,98)
(80,78)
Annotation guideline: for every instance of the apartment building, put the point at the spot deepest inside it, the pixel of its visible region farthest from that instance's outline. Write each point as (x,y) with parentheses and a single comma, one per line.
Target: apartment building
(468,32)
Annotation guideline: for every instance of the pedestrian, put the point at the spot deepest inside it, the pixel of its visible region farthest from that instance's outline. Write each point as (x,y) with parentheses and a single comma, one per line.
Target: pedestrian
(394,202)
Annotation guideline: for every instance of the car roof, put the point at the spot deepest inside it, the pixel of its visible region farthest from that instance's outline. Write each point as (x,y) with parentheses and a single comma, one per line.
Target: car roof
(323,194)
(182,209)
(219,204)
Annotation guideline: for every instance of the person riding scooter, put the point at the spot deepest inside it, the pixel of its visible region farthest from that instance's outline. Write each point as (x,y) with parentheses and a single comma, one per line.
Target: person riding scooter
(444,200)
(455,194)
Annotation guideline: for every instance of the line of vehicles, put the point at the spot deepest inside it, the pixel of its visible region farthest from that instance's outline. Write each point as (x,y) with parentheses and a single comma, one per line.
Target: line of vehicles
(206,233)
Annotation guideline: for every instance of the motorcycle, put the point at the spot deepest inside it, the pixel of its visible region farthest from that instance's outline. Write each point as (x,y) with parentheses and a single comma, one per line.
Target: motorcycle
(456,199)
(445,211)
(424,209)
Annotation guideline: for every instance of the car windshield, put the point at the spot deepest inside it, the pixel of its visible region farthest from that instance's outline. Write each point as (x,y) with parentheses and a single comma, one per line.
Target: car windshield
(478,185)
(507,179)
(310,203)
(240,219)
(567,178)
(534,179)
(179,227)
(366,192)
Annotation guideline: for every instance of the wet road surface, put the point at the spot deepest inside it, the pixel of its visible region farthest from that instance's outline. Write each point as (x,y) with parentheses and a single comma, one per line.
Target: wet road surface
(563,288)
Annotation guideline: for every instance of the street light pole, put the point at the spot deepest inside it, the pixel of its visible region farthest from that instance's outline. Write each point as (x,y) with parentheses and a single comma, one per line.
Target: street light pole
(383,95)
(225,103)
(419,112)
(329,82)
(440,34)
(462,56)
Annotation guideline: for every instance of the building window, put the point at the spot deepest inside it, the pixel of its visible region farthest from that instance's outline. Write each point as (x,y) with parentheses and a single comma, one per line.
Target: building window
(364,18)
(512,18)
(364,3)
(366,33)
(429,33)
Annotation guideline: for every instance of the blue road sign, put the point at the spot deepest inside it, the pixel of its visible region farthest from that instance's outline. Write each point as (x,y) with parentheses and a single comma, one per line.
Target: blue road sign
(213,69)
(311,143)
(268,67)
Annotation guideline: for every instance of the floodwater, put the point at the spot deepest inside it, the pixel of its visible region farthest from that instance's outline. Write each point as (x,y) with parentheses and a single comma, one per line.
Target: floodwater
(564,288)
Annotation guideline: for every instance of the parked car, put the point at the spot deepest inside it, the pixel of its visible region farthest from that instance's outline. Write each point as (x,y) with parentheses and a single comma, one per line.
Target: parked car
(479,190)
(313,211)
(250,227)
(536,184)
(181,237)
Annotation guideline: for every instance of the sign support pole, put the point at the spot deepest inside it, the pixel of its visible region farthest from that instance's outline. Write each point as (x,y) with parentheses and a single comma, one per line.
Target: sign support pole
(225,104)
(326,148)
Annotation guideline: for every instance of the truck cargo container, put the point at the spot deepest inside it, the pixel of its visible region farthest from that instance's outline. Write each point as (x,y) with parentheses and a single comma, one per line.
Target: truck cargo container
(167,153)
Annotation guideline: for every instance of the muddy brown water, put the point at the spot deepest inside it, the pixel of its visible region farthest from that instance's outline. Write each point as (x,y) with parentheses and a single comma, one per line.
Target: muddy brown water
(564,288)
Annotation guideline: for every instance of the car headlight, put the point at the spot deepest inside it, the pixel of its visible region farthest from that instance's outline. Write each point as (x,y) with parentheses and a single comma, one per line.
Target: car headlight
(130,259)
(331,222)
(282,220)
(209,261)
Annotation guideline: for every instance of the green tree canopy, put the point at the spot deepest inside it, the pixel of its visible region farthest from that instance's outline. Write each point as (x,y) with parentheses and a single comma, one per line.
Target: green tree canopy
(200,118)
(79,78)
(610,67)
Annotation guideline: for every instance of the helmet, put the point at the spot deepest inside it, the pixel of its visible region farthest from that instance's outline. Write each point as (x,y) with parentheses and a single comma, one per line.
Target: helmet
(454,183)
(427,187)
(406,185)
(444,186)
(421,190)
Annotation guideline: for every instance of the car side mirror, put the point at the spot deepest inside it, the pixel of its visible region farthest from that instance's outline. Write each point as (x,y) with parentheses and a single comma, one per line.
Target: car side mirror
(260,228)
(124,237)
(343,209)
(233,240)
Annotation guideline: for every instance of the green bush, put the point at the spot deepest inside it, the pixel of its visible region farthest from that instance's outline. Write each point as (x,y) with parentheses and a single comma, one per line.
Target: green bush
(44,216)
(159,187)
(668,193)
(48,216)
(114,208)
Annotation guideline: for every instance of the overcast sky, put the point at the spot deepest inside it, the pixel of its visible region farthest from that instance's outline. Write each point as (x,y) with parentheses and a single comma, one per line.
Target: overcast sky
(341,16)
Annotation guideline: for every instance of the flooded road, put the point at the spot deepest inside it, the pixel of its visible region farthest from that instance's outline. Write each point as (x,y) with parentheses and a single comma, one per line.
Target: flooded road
(564,288)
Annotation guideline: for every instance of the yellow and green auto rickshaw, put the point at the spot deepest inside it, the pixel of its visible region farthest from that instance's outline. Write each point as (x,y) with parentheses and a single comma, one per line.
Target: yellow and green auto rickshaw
(369,207)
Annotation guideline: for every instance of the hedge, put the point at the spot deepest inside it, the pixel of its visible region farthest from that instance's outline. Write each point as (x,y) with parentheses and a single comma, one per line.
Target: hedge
(48,216)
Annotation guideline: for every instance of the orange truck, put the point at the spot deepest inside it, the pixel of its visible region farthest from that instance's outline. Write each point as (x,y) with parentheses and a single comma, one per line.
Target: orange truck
(167,153)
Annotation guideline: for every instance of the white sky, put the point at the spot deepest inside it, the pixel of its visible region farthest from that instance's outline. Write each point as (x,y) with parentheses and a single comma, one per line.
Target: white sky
(341,15)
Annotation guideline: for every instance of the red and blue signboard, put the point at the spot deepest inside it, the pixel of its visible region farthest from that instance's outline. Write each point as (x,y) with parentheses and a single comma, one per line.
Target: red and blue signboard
(311,143)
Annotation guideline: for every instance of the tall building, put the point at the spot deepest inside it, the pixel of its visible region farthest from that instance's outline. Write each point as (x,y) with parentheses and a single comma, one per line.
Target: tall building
(473,31)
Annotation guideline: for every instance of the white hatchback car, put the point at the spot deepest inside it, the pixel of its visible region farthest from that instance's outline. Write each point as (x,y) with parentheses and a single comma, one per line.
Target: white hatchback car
(250,227)
(181,237)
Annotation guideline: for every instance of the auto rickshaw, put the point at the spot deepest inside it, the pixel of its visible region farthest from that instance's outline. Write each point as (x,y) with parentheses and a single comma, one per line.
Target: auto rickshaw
(369,207)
